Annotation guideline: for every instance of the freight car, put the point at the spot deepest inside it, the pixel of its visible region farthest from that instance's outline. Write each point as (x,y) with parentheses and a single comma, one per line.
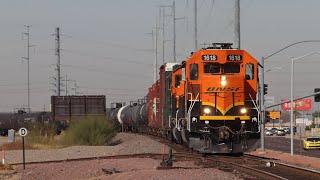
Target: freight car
(67,108)
(208,102)
(132,117)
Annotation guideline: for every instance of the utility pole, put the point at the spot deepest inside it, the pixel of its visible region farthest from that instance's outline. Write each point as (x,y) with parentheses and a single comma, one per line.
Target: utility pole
(237,24)
(163,33)
(58,78)
(163,15)
(174,30)
(155,50)
(162,21)
(262,107)
(75,88)
(66,80)
(27,33)
(195,25)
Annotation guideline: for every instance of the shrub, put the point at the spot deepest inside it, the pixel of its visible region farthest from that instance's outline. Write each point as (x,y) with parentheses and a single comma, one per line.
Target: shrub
(41,133)
(90,130)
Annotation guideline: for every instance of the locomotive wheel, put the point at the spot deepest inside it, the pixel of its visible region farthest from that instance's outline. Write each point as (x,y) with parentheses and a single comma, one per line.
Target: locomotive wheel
(185,136)
(170,136)
(176,135)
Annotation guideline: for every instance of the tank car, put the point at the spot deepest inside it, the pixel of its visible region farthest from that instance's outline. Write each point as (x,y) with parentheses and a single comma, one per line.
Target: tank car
(131,117)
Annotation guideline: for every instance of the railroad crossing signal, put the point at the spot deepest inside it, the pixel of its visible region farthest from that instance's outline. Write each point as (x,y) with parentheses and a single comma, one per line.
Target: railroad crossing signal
(23,132)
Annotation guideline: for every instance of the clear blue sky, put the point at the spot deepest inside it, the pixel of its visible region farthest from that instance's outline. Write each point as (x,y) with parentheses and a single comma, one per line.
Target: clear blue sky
(106,45)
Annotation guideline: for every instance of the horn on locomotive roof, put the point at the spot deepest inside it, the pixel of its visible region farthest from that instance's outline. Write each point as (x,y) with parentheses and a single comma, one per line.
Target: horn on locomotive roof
(220,46)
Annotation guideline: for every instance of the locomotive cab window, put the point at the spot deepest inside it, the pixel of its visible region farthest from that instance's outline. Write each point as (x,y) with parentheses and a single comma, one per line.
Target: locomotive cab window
(177,80)
(231,68)
(193,71)
(213,68)
(249,71)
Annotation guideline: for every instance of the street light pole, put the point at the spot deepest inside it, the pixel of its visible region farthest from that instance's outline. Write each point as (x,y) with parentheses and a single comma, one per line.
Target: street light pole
(262,108)
(291,95)
(291,107)
(262,104)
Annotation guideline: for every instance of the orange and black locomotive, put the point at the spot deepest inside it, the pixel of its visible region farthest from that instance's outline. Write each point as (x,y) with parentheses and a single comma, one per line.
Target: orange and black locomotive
(214,98)
(209,101)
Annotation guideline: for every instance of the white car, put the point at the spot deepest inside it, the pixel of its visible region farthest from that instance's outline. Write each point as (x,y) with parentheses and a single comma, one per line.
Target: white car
(268,133)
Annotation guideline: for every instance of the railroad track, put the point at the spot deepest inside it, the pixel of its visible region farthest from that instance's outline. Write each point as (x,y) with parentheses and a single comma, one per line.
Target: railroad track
(145,155)
(245,166)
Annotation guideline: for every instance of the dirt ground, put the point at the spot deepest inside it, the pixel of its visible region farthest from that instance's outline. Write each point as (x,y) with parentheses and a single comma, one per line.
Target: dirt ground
(299,160)
(118,169)
(129,168)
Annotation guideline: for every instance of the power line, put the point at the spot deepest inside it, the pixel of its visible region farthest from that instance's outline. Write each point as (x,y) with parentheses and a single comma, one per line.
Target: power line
(113,88)
(107,58)
(208,18)
(19,84)
(103,71)
(127,47)
(68,87)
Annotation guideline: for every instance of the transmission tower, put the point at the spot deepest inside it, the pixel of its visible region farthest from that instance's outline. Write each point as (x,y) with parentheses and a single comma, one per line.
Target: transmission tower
(57,52)
(27,58)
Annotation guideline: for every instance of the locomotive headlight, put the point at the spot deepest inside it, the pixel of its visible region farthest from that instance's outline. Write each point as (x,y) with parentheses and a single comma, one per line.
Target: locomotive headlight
(207,110)
(223,81)
(243,110)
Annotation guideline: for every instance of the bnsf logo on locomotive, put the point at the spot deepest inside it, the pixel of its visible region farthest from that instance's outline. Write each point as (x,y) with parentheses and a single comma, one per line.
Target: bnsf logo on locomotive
(212,89)
(208,57)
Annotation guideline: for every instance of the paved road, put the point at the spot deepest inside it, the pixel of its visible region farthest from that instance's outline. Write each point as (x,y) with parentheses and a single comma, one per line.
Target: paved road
(283,144)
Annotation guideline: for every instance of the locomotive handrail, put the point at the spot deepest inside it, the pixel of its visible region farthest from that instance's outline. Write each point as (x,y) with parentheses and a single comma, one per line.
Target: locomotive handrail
(193,102)
(254,103)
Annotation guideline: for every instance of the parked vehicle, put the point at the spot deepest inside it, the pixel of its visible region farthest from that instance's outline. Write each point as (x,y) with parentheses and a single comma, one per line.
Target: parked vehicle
(311,143)
(269,133)
(274,130)
(280,132)
(286,130)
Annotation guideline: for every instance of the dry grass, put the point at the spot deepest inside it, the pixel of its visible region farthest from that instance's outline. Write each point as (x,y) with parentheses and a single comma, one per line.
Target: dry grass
(92,131)
(87,131)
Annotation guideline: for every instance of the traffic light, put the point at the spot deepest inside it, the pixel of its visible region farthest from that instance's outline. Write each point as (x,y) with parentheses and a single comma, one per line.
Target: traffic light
(267,116)
(317,97)
(265,89)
